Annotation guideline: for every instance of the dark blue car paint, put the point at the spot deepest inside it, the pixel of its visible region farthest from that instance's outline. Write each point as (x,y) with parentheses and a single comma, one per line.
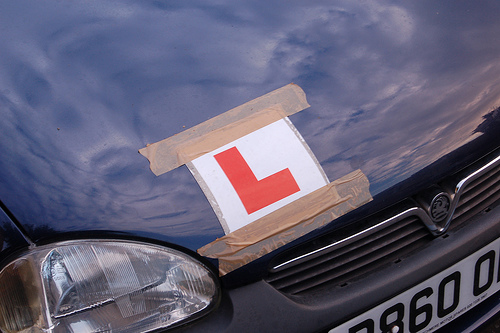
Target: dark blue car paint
(407,92)
(11,238)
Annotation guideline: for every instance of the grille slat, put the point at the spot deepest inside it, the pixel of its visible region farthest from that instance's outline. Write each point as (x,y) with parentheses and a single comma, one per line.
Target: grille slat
(344,256)
(488,177)
(345,261)
(476,198)
(353,267)
(472,210)
(350,247)
(352,259)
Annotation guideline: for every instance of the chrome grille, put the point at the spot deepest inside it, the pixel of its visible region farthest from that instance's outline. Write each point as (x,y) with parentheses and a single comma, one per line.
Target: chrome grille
(478,195)
(347,262)
(349,259)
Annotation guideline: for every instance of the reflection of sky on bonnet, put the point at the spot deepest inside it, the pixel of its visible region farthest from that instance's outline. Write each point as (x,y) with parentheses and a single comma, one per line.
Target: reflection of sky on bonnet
(114,76)
(385,88)
(73,146)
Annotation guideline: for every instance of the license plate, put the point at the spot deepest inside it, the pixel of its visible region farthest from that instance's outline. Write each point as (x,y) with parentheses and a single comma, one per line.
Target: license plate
(436,301)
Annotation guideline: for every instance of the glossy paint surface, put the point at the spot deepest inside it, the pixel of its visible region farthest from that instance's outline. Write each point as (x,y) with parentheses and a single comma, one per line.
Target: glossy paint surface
(11,238)
(393,88)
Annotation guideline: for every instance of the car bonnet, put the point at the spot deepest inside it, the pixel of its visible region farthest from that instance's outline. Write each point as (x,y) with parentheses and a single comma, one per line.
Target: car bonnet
(393,89)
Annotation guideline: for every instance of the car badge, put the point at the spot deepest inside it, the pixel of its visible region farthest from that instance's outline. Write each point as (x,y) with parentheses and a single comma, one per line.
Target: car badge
(439,207)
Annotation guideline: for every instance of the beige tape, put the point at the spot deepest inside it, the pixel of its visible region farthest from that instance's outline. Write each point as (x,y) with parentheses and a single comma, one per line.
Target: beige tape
(289,223)
(179,149)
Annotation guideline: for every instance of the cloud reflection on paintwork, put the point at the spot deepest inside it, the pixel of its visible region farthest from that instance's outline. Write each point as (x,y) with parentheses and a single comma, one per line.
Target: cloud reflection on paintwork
(114,76)
(400,96)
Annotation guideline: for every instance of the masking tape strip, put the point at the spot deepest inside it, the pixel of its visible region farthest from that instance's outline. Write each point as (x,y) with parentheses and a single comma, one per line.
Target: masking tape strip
(289,223)
(179,149)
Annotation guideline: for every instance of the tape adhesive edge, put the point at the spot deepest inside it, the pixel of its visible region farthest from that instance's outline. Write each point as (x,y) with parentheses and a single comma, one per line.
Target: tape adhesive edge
(290,222)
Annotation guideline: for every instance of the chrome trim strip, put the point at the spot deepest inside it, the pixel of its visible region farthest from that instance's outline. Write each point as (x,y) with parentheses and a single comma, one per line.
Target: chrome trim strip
(467,180)
(414,211)
(313,254)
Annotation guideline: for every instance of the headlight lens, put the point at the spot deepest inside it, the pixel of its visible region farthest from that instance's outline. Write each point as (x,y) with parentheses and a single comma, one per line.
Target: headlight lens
(103,286)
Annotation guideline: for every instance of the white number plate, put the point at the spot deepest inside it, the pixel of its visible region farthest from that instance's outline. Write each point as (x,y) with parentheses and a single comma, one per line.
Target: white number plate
(436,301)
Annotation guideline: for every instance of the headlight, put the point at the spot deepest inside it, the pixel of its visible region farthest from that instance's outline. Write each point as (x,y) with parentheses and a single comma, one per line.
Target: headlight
(103,286)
